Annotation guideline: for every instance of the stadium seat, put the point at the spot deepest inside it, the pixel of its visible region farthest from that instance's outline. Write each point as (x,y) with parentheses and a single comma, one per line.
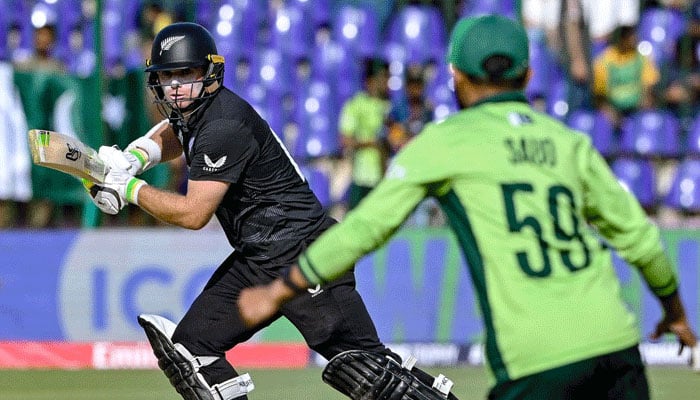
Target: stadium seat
(557,102)
(236,24)
(660,29)
(472,8)
(112,33)
(543,66)
(291,33)
(420,31)
(317,118)
(271,68)
(267,104)
(21,17)
(5,22)
(596,125)
(651,133)
(205,12)
(318,12)
(330,61)
(70,17)
(319,182)
(639,177)
(439,92)
(357,29)
(692,143)
(684,194)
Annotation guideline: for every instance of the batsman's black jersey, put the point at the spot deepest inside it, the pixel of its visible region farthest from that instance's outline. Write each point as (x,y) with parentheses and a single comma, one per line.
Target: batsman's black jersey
(269,211)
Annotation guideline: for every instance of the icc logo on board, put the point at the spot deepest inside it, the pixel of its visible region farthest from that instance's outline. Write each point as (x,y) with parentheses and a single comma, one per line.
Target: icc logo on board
(102,292)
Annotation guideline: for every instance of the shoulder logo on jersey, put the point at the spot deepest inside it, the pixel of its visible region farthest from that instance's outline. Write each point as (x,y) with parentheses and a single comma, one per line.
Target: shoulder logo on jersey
(168,42)
(518,119)
(213,166)
(395,171)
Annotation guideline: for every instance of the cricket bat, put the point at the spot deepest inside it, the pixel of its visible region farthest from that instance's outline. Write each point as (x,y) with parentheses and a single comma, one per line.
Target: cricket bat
(67,154)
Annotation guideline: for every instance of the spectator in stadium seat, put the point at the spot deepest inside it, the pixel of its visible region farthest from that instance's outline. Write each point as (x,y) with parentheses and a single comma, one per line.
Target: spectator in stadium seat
(42,57)
(682,92)
(407,120)
(362,125)
(408,117)
(623,78)
(529,224)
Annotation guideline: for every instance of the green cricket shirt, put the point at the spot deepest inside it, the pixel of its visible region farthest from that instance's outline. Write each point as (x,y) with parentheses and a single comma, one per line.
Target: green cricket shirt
(362,118)
(530,202)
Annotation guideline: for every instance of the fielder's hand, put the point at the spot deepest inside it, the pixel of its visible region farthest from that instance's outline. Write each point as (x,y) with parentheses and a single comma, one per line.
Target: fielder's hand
(676,322)
(117,159)
(258,304)
(106,199)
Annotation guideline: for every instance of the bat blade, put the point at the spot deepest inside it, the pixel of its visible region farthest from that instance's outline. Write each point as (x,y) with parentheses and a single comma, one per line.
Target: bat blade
(66,154)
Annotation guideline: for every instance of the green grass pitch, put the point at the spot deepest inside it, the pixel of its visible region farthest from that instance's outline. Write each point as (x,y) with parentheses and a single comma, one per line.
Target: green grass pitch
(668,383)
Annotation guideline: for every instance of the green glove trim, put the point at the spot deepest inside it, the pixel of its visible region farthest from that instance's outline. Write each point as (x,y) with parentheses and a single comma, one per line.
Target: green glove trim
(140,155)
(132,190)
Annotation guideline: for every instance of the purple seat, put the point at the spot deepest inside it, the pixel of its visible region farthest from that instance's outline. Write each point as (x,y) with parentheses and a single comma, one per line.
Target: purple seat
(684,194)
(70,17)
(319,182)
(271,69)
(651,133)
(330,61)
(235,25)
(267,104)
(318,12)
(317,119)
(596,125)
(692,143)
(472,8)
(21,18)
(662,29)
(439,92)
(557,95)
(639,177)
(544,70)
(113,30)
(5,22)
(291,32)
(205,12)
(357,29)
(420,31)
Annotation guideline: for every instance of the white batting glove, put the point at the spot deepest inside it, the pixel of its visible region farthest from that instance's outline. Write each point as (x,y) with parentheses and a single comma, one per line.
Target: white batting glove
(106,199)
(124,184)
(123,160)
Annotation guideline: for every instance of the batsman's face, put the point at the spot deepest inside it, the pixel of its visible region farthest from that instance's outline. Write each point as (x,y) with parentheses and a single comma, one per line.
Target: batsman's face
(181,87)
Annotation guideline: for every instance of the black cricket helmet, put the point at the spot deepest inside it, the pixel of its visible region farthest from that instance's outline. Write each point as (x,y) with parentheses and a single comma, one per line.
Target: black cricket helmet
(179,46)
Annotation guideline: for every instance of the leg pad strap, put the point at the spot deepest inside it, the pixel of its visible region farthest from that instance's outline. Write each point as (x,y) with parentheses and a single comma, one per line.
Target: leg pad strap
(182,368)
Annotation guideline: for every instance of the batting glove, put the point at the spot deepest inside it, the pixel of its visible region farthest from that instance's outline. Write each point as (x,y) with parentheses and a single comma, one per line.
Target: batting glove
(106,199)
(124,184)
(114,158)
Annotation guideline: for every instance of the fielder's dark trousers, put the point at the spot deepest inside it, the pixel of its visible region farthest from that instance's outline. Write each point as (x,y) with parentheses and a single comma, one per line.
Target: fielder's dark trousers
(332,319)
(615,376)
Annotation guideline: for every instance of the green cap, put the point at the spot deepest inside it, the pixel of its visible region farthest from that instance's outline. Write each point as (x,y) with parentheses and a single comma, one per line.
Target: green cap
(475,39)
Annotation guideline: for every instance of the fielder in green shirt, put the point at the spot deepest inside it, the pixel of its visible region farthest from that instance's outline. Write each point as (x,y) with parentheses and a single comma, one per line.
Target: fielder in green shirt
(536,211)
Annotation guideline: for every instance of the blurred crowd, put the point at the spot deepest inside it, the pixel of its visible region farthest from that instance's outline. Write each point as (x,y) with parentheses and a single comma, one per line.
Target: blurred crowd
(346,84)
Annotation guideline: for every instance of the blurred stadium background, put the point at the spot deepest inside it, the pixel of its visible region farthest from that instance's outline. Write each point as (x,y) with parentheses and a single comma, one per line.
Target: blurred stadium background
(72,281)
